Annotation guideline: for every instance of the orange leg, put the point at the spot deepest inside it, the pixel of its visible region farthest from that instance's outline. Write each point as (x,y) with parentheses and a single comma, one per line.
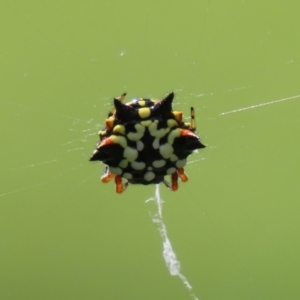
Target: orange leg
(182,175)
(174,178)
(119,185)
(107,177)
(120,188)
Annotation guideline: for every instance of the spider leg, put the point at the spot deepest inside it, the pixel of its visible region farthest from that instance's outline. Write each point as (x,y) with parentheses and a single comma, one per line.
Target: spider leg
(120,187)
(167,184)
(107,176)
(121,99)
(193,121)
(182,175)
(174,184)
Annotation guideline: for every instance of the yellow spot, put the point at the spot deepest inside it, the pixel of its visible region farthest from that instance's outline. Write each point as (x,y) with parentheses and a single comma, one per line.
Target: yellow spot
(155,143)
(144,112)
(138,165)
(180,163)
(166,150)
(158,133)
(116,171)
(173,134)
(146,123)
(142,103)
(130,154)
(159,163)
(101,132)
(173,157)
(149,176)
(136,136)
(172,123)
(178,116)
(119,129)
(127,175)
(171,171)
(123,163)
(109,123)
(139,145)
(119,140)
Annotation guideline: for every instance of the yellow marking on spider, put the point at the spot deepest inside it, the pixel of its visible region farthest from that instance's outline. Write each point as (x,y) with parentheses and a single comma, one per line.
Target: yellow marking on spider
(158,133)
(171,171)
(173,158)
(127,175)
(102,133)
(149,176)
(130,154)
(123,163)
(173,135)
(172,123)
(166,150)
(136,136)
(119,129)
(109,123)
(144,112)
(180,163)
(178,116)
(139,145)
(115,170)
(119,140)
(142,103)
(138,165)
(155,143)
(146,123)
(159,163)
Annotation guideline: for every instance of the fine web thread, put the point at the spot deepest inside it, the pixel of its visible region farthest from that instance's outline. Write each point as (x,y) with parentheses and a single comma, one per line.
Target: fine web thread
(169,255)
(258,105)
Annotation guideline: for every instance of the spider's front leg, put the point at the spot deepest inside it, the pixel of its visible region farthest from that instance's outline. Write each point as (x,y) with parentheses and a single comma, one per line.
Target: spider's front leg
(120,187)
(107,176)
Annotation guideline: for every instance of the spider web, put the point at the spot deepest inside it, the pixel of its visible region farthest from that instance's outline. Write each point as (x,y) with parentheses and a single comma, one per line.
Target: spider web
(169,255)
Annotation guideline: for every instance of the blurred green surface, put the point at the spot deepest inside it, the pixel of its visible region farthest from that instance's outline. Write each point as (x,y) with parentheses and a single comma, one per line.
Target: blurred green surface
(234,226)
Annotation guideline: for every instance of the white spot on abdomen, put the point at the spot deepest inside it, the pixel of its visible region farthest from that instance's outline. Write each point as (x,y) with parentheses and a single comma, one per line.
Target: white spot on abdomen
(149,176)
(136,136)
(130,154)
(155,143)
(123,163)
(159,163)
(115,170)
(171,171)
(139,145)
(127,175)
(166,150)
(138,165)
(180,163)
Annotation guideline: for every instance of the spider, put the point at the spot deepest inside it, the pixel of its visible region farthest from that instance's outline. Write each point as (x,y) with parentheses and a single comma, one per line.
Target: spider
(145,140)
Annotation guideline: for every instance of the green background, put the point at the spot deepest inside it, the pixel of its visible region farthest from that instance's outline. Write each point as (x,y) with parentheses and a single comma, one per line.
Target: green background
(234,226)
